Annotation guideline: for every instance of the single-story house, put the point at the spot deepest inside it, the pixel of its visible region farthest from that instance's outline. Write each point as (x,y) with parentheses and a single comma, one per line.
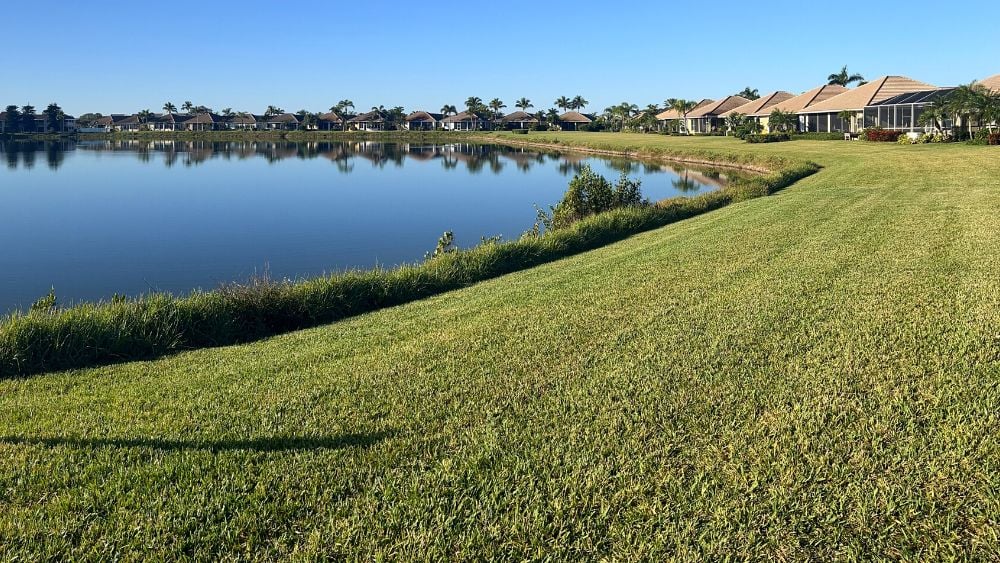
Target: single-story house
(168,122)
(902,112)
(708,118)
(330,121)
(762,104)
(824,117)
(798,103)
(204,122)
(672,115)
(246,122)
(576,119)
(284,122)
(423,121)
(128,123)
(465,121)
(371,121)
(519,120)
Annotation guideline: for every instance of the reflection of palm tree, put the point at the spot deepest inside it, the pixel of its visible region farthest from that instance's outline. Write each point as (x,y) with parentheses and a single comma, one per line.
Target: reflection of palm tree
(684,183)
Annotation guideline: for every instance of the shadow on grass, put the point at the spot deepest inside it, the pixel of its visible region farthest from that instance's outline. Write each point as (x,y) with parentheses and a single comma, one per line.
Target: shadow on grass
(273,444)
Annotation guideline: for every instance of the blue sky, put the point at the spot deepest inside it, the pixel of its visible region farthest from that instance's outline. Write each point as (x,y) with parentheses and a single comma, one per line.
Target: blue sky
(124,56)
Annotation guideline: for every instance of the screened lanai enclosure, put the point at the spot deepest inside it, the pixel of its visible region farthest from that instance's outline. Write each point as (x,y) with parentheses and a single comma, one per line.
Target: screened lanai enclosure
(902,112)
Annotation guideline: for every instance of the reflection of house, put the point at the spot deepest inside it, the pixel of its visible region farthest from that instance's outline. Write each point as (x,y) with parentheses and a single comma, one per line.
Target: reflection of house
(465,121)
(371,121)
(519,120)
(798,103)
(575,120)
(423,121)
(825,116)
(708,117)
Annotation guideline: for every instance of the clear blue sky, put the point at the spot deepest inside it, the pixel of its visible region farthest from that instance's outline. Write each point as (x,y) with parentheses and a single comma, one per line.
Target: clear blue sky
(123,56)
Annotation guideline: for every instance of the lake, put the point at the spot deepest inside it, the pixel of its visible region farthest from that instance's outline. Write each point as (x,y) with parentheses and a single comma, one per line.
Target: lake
(95,218)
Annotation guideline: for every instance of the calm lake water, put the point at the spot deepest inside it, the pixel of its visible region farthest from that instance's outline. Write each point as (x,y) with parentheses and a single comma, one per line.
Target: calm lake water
(92,219)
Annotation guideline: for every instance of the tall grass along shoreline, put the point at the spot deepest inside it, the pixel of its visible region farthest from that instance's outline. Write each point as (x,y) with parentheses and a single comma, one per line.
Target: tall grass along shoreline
(158,324)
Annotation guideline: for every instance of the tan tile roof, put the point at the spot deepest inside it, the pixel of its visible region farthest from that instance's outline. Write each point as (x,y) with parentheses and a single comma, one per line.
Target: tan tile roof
(804,100)
(875,91)
(575,117)
(464,116)
(520,117)
(722,106)
(424,116)
(993,82)
(761,104)
(672,114)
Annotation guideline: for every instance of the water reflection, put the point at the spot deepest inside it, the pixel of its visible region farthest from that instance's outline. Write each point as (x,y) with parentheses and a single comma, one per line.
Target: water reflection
(96,218)
(474,158)
(22,154)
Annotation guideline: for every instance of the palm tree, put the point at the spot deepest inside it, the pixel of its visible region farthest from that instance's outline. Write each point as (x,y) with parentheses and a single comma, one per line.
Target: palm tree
(169,107)
(448,109)
(474,104)
(749,93)
(272,111)
(682,107)
(552,116)
(578,103)
(144,115)
(625,111)
(187,106)
(523,104)
(847,116)
(496,104)
(228,112)
(781,120)
(341,107)
(563,103)
(935,113)
(54,117)
(842,78)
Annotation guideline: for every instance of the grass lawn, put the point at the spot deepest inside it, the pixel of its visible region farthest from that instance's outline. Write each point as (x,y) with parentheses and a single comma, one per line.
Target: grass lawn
(811,374)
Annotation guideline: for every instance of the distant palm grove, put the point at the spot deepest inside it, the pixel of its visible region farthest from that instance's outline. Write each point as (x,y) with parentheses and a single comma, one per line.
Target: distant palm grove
(896,104)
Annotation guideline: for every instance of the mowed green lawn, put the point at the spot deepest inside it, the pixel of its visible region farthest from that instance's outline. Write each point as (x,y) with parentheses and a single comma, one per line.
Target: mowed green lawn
(808,375)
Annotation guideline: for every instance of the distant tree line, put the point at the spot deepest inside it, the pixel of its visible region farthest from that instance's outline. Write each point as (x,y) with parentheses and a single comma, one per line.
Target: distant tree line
(24,119)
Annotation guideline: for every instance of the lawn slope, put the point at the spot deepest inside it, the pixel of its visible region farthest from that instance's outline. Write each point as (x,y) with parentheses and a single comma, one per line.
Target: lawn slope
(811,374)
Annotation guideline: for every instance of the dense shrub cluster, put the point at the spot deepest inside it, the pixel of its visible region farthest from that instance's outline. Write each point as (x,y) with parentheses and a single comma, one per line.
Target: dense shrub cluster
(519,131)
(814,136)
(768,138)
(50,338)
(879,135)
(590,193)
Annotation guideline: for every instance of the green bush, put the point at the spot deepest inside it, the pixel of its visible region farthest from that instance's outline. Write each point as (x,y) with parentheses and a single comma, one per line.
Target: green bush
(519,131)
(51,338)
(590,193)
(813,136)
(768,138)
(880,135)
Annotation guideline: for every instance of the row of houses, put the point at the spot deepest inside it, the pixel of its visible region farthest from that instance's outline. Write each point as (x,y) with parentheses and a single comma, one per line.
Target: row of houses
(371,121)
(890,102)
(67,124)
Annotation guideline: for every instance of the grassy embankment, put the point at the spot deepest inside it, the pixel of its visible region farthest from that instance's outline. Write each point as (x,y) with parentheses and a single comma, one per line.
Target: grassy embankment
(813,374)
(146,327)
